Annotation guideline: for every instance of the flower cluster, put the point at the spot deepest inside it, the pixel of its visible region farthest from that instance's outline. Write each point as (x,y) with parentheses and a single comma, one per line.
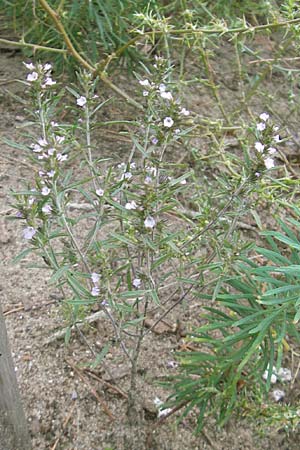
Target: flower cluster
(167,113)
(41,74)
(268,137)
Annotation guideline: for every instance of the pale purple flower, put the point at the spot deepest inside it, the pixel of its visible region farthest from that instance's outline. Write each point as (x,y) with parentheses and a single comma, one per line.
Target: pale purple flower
(32,76)
(145,93)
(133,165)
(51,173)
(269,163)
(273,376)
(149,222)
(278,395)
(259,147)
(166,95)
(277,138)
(136,283)
(272,151)
(47,67)
(95,291)
(61,157)
(257,174)
(19,215)
(29,232)
(148,179)
(177,131)
(100,192)
(144,82)
(47,209)
(81,101)
(168,122)
(51,151)
(36,148)
(59,139)
(95,277)
(154,140)
(29,66)
(261,126)
(54,124)
(131,205)
(264,116)
(184,112)
(43,142)
(126,176)
(162,87)
(48,82)
(45,191)
(284,374)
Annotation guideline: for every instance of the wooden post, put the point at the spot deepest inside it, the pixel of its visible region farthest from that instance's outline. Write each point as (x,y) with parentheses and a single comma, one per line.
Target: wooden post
(13,427)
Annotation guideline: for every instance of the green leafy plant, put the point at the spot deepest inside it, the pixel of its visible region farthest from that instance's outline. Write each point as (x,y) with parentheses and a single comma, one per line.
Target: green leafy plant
(252,321)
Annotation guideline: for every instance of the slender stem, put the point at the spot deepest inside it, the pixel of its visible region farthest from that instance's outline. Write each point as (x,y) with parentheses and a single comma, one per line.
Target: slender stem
(34,47)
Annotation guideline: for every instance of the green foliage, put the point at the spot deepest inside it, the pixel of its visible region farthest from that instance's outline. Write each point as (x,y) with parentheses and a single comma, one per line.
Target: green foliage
(246,328)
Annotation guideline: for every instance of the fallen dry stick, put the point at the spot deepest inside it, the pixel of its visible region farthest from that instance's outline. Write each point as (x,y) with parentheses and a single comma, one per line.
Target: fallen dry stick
(92,390)
(109,385)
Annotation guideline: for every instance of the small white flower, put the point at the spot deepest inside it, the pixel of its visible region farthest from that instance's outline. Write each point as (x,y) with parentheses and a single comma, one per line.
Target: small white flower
(61,157)
(32,76)
(126,176)
(259,147)
(59,139)
(269,163)
(177,131)
(131,205)
(275,128)
(261,126)
(42,142)
(149,222)
(136,283)
(277,138)
(284,374)
(95,291)
(264,116)
(47,67)
(183,182)
(47,209)
(45,191)
(148,180)
(51,151)
(95,277)
(162,87)
(29,66)
(166,95)
(272,151)
(54,124)
(29,232)
(48,82)
(184,112)
(144,82)
(278,395)
(37,148)
(81,101)
(100,192)
(51,173)
(121,166)
(168,122)
(273,376)
(145,93)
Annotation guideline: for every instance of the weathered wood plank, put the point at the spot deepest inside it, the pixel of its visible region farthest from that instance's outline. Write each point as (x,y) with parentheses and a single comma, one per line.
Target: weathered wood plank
(13,427)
